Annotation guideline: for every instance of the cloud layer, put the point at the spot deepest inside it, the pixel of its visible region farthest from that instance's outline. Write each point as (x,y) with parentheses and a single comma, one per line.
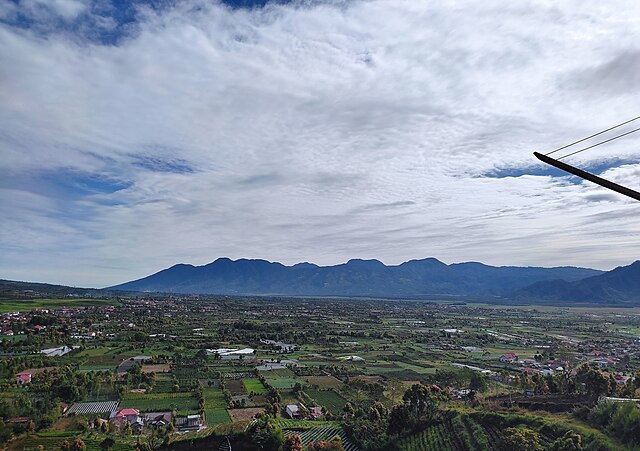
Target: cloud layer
(311,132)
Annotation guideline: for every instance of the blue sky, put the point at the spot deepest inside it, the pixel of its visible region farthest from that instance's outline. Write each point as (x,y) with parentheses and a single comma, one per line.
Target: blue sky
(137,135)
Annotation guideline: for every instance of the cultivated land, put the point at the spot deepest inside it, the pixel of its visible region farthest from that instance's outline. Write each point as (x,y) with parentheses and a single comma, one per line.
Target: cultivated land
(413,374)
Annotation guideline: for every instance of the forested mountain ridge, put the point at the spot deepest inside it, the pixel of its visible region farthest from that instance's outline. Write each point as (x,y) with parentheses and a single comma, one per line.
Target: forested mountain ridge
(354,278)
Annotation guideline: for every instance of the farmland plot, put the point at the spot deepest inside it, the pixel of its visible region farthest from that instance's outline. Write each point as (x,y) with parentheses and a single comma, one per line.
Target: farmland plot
(253,385)
(324,433)
(332,401)
(150,402)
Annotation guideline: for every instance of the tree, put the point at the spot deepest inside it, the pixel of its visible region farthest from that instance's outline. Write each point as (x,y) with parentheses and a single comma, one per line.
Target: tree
(335,444)
(478,382)
(265,434)
(594,381)
(292,442)
(398,419)
(523,439)
(422,402)
(77,445)
(568,442)
(107,443)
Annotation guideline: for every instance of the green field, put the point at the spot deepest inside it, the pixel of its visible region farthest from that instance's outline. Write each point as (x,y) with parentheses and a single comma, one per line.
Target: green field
(27,305)
(149,402)
(53,440)
(217,416)
(214,398)
(332,401)
(283,382)
(254,385)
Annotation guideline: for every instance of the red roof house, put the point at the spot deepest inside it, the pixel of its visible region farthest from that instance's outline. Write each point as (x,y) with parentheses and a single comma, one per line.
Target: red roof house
(23,378)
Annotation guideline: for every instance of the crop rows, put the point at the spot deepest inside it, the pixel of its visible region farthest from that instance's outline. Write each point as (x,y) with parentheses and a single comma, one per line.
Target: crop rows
(157,395)
(81,408)
(433,439)
(284,423)
(324,433)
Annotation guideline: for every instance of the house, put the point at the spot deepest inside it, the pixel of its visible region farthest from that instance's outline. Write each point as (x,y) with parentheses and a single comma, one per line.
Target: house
(509,358)
(605,362)
(23,378)
(451,332)
(19,423)
(131,415)
(158,419)
(127,416)
(621,379)
(189,423)
(293,411)
(315,412)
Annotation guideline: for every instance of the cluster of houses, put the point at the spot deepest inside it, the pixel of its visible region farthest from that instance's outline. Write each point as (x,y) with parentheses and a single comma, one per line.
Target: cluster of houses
(549,367)
(278,345)
(300,412)
(144,422)
(233,353)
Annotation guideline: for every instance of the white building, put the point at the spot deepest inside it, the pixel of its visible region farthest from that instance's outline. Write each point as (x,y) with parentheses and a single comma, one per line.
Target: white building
(293,410)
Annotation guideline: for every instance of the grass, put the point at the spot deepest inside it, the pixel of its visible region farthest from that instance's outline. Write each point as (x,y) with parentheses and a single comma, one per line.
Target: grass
(28,305)
(217,416)
(284,382)
(325,382)
(254,385)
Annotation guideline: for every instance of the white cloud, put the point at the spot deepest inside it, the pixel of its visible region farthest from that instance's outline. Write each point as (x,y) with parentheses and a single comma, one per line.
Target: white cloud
(43,10)
(300,123)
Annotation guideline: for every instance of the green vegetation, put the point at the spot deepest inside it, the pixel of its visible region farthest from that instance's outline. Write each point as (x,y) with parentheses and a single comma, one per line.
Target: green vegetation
(253,385)
(418,376)
(29,305)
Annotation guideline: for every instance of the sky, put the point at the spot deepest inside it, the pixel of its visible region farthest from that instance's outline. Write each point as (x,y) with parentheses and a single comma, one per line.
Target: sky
(138,135)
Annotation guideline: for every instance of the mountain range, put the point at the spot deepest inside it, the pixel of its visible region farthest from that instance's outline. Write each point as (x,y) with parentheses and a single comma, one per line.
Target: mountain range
(416,278)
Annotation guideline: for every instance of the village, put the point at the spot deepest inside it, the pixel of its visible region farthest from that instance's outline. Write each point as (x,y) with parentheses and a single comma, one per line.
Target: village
(164,370)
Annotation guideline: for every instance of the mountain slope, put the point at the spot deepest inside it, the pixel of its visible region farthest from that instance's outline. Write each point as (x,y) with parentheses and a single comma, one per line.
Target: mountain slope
(354,278)
(621,284)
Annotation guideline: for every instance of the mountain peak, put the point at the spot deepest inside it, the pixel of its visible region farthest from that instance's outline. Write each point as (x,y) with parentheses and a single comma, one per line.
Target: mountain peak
(372,263)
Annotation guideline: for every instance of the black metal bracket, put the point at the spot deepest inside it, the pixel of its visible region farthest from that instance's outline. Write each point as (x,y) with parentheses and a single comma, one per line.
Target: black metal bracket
(588,176)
